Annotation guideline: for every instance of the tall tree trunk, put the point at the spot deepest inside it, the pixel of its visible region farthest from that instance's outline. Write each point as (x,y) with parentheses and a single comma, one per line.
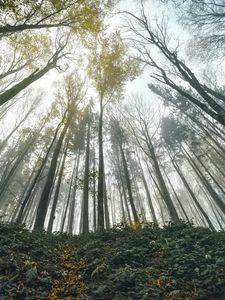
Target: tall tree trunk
(65,213)
(214,163)
(73,200)
(162,185)
(56,196)
(85,220)
(165,193)
(205,182)
(213,207)
(44,200)
(191,193)
(5,183)
(140,202)
(208,172)
(106,208)
(128,183)
(28,183)
(122,204)
(3,143)
(125,196)
(100,171)
(72,186)
(94,192)
(36,177)
(120,180)
(17,88)
(154,219)
(177,197)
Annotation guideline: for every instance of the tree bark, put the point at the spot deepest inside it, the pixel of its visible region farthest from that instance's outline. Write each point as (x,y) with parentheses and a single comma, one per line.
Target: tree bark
(128,183)
(154,219)
(73,200)
(162,185)
(100,171)
(85,221)
(17,88)
(106,208)
(205,182)
(44,200)
(56,196)
(192,193)
(36,177)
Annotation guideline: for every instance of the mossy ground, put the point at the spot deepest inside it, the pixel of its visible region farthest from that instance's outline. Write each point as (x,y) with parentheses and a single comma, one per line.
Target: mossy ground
(178,262)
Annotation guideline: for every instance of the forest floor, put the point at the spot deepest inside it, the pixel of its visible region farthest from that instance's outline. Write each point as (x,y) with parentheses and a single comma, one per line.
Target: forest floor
(178,262)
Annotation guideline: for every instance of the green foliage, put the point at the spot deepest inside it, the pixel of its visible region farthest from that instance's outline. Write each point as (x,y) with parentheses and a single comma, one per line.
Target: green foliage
(81,16)
(175,262)
(110,66)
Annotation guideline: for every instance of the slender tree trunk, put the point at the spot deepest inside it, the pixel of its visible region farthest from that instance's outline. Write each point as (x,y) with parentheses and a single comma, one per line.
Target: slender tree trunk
(94,192)
(213,207)
(208,172)
(72,186)
(100,171)
(191,193)
(140,202)
(5,183)
(36,177)
(205,182)
(56,196)
(216,166)
(17,210)
(44,200)
(3,144)
(162,185)
(66,209)
(120,180)
(154,219)
(106,208)
(85,220)
(122,204)
(73,200)
(128,183)
(178,199)
(125,196)
(17,88)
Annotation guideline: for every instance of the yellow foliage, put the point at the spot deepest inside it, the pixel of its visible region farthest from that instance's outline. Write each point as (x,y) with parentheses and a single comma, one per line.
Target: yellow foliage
(71,280)
(141,224)
(110,65)
(30,46)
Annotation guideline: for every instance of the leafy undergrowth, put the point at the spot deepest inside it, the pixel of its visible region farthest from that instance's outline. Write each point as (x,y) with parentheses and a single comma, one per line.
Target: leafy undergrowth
(178,262)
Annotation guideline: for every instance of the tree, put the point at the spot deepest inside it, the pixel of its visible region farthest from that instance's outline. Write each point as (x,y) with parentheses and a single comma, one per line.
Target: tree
(77,15)
(85,225)
(154,219)
(17,88)
(139,121)
(21,150)
(36,177)
(109,67)
(74,94)
(175,134)
(31,109)
(118,139)
(207,19)
(197,93)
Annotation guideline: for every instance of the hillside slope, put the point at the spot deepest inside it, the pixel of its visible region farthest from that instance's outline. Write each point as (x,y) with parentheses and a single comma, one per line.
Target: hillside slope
(178,262)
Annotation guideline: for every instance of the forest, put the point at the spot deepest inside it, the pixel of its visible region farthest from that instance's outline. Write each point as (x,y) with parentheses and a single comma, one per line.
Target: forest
(112,117)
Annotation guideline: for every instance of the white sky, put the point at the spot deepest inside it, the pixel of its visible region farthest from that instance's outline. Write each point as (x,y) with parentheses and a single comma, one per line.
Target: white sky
(48,83)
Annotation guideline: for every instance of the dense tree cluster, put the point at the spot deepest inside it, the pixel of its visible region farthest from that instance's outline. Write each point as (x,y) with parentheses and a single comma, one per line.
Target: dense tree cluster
(81,155)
